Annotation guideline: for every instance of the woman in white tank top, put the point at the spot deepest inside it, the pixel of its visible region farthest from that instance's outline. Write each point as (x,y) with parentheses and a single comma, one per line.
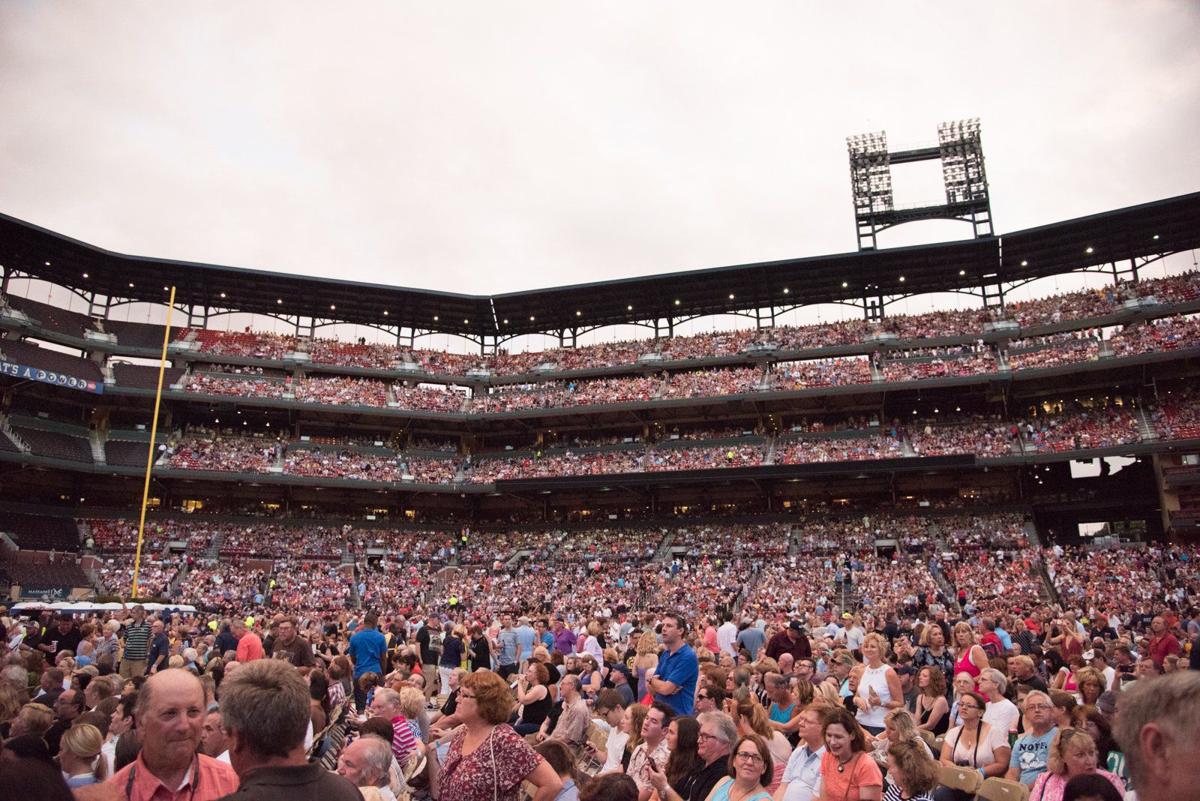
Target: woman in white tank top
(879,690)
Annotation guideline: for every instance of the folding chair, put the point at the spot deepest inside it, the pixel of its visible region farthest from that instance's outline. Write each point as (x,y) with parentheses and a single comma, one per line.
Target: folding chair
(997,789)
(966,780)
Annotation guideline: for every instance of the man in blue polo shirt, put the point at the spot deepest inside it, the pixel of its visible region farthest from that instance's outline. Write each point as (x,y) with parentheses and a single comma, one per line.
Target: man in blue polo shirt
(674,682)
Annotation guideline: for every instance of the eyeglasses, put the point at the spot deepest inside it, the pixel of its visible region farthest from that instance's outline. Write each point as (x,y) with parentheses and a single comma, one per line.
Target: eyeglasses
(748,755)
(1033,707)
(706,737)
(701,696)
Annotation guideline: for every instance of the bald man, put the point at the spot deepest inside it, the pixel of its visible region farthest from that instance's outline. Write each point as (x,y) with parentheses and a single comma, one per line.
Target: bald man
(170,715)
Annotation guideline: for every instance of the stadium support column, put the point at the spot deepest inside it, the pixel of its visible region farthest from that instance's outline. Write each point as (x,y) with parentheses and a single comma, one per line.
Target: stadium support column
(992,292)
(97,309)
(1129,273)
(5,277)
(197,319)
(872,303)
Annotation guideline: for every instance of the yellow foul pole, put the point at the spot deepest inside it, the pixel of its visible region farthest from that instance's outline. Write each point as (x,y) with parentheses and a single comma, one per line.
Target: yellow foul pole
(162,366)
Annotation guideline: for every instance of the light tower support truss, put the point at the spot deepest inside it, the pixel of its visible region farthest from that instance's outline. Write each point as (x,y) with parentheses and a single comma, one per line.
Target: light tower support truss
(960,151)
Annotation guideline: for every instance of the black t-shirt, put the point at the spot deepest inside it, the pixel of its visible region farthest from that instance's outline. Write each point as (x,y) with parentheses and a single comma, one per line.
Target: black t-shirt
(451,705)
(225,642)
(64,642)
(428,655)
(707,778)
(482,654)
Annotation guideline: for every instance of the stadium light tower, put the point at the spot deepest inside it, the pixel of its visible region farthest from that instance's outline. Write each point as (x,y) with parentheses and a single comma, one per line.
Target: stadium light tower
(959,149)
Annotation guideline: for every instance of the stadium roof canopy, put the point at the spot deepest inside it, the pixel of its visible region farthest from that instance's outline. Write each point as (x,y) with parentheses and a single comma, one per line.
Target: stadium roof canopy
(1144,231)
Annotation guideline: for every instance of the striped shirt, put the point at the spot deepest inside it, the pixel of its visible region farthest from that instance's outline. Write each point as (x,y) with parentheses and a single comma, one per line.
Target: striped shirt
(137,641)
(403,741)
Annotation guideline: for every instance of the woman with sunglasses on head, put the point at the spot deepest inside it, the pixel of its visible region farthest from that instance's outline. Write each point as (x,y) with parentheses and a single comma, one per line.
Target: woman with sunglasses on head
(1072,754)
(975,744)
(750,771)
(912,773)
(847,771)
(487,760)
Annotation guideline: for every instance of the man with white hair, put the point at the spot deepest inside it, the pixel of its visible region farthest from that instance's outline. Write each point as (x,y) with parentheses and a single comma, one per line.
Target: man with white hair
(386,704)
(1031,752)
(367,762)
(1001,713)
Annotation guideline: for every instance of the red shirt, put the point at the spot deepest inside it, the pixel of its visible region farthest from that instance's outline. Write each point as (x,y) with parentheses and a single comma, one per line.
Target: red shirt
(250,647)
(1164,646)
(215,779)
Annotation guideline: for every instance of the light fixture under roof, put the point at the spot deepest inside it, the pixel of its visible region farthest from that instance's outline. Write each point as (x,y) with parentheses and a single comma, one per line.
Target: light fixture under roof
(786,291)
(731,296)
(222,294)
(902,279)
(385,312)
(85,275)
(1089,249)
(278,301)
(962,272)
(47,264)
(676,301)
(532,318)
(332,307)
(578,313)
(629,308)
(435,318)
(1024,263)
(131,285)
(1155,236)
(466,321)
(845,284)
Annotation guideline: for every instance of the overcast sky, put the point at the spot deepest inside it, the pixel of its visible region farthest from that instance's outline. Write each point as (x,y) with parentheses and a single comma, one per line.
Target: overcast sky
(497,146)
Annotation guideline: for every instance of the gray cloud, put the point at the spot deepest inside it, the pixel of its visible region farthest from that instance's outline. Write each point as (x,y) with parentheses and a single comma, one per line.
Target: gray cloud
(494,147)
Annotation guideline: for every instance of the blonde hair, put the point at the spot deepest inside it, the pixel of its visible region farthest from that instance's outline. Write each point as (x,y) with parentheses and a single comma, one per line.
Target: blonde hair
(962,626)
(879,640)
(1089,675)
(83,740)
(929,629)
(1056,761)
(412,701)
(902,721)
(766,665)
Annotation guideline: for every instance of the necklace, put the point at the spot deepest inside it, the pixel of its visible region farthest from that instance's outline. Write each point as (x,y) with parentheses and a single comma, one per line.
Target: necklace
(735,793)
(841,768)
